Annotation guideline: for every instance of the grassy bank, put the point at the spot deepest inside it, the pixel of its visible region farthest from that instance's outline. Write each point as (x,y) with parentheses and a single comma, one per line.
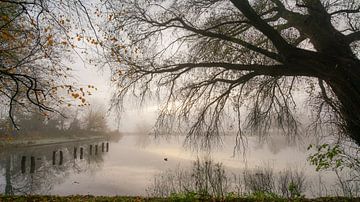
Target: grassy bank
(175,198)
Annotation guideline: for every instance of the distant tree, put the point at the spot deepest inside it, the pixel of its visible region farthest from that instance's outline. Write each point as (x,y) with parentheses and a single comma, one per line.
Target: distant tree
(61,121)
(75,125)
(31,122)
(94,119)
(214,55)
(52,126)
(6,127)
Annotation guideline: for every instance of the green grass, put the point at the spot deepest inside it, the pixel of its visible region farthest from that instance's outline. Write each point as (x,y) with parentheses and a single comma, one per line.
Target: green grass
(177,197)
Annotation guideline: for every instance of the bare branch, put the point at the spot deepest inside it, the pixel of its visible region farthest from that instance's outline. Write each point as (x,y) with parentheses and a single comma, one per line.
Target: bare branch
(281,45)
(353,37)
(186,26)
(357,10)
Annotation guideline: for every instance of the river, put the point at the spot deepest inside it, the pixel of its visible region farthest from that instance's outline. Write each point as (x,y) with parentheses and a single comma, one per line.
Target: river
(127,166)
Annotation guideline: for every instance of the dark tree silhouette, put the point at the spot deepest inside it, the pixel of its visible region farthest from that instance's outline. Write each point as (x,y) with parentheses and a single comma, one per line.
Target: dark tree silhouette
(250,55)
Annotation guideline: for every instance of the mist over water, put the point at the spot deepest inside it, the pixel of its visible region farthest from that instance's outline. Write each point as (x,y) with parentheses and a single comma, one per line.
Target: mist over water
(131,162)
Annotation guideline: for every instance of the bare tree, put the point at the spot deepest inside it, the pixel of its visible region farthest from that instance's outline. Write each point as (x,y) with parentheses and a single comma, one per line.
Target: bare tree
(94,119)
(243,54)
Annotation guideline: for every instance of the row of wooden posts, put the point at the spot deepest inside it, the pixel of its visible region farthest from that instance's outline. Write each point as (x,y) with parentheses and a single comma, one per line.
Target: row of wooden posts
(61,156)
(32,164)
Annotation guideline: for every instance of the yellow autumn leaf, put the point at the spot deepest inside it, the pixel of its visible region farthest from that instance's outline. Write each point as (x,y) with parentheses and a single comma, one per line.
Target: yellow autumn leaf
(75,95)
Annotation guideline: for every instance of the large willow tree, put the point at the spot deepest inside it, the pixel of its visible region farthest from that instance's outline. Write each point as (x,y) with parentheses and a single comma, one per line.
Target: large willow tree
(250,55)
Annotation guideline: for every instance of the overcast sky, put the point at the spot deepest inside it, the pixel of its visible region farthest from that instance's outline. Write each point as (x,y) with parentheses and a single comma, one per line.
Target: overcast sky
(134,119)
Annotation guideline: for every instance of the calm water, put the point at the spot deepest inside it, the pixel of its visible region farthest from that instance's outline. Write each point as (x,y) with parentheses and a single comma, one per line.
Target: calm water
(127,166)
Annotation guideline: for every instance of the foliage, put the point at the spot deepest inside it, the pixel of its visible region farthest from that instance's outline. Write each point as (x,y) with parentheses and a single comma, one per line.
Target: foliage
(265,196)
(137,199)
(327,156)
(185,197)
(338,157)
(35,38)
(294,190)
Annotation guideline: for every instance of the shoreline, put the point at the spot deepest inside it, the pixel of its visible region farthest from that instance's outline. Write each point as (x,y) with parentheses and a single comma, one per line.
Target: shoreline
(35,198)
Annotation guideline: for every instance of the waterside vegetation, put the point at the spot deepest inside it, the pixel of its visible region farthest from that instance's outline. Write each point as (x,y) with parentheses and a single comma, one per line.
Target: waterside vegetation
(184,198)
(71,125)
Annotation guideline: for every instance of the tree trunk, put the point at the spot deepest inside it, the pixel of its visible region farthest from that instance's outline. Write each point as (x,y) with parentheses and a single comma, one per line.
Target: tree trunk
(346,87)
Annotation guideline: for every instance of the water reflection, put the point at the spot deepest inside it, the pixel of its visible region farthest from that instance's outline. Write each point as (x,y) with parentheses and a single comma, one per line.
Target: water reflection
(37,169)
(128,169)
(208,178)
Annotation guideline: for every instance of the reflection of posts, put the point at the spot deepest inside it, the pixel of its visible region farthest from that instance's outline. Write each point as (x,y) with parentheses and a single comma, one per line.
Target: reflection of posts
(8,187)
(23,163)
(32,164)
(96,149)
(54,157)
(61,158)
(107,147)
(90,149)
(81,153)
(102,147)
(75,156)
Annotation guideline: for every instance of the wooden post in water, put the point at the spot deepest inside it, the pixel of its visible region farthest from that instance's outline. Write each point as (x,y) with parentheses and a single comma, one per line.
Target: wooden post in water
(75,149)
(54,157)
(96,149)
(91,149)
(32,164)
(107,147)
(81,153)
(102,147)
(61,158)
(23,163)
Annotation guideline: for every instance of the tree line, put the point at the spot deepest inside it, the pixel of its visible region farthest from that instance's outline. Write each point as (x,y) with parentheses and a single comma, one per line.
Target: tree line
(70,123)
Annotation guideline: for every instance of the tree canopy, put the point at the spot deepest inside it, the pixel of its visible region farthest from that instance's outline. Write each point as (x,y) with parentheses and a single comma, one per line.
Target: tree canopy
(243,56)
(35,38)
(209,61)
